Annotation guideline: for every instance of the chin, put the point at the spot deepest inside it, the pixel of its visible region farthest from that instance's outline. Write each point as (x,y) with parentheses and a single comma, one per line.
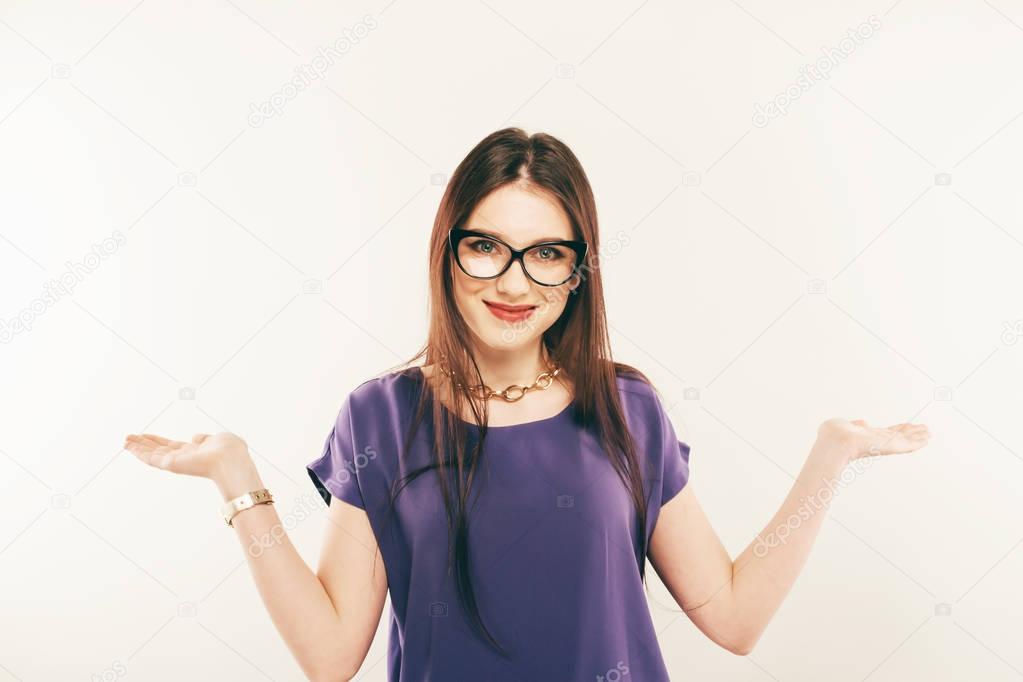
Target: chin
(504,337)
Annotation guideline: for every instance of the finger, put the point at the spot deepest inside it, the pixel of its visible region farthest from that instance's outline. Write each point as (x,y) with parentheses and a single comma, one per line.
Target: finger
(161,440)
(914,430)
(146,445)
(142,454)
(199,438)
(146,456)
(910,443)
(138,445)
(163,457)
(154,443)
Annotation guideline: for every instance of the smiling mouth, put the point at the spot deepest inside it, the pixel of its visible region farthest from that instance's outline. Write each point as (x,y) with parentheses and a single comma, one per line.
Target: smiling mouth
(510,308)
(510,313)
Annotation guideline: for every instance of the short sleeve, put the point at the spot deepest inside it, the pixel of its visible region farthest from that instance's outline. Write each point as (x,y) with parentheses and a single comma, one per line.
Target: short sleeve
(676,469)
(667,457)
(674,457)
(336,471)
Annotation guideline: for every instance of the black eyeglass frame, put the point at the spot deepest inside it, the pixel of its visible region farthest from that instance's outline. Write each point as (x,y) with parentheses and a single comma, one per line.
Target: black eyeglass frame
(456,235)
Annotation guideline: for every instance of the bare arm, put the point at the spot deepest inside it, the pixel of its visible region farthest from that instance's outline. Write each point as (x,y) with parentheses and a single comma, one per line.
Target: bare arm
(327,619)
(732,602)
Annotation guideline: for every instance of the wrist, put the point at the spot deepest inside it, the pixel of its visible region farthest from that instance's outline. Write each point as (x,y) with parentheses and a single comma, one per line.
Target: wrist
(236,476)
(837,445)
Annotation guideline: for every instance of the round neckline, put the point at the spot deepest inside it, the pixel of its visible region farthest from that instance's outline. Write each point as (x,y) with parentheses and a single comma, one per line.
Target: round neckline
(420,380)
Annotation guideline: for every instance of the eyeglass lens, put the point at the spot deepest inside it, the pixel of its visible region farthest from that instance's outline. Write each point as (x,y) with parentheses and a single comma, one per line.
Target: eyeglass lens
(550,264)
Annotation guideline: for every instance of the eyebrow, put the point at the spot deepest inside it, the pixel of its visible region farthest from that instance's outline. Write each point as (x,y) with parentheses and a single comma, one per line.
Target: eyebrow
(499,235)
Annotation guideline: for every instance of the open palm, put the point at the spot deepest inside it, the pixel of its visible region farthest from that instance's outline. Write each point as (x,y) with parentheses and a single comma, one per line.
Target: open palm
(200,457)
(876,440)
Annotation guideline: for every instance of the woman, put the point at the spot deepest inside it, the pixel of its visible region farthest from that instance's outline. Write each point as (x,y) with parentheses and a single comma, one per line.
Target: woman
(508,491)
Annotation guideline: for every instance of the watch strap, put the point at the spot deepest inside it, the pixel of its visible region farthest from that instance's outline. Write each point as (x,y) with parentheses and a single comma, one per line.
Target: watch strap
(231,508)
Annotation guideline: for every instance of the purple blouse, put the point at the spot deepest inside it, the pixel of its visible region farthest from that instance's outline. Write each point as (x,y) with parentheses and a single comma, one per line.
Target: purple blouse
(552,541)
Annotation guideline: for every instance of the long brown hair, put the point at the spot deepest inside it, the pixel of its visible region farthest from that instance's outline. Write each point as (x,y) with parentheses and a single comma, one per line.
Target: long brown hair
(578,342)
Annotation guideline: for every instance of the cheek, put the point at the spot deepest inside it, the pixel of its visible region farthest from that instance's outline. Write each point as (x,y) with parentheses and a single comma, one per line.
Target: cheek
(466,289)
(556,301)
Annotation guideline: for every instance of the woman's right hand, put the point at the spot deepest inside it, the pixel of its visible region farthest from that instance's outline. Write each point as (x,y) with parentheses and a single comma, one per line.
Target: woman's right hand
(208,456)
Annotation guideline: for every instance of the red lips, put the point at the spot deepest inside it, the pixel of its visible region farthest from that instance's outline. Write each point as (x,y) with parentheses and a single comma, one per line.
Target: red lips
(509,308)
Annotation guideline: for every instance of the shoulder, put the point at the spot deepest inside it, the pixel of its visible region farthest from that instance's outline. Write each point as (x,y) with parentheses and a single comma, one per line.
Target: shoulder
(652,429)
(380,395)
(635,388)
(642,404)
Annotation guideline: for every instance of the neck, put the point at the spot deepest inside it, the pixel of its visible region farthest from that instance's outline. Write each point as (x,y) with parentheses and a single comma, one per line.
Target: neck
(504,368)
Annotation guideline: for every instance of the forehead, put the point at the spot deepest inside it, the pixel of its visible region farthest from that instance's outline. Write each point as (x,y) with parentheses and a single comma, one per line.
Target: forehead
(520,216)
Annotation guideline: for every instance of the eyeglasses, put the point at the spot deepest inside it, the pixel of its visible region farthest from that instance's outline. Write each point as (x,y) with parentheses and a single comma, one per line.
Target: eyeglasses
(483,256)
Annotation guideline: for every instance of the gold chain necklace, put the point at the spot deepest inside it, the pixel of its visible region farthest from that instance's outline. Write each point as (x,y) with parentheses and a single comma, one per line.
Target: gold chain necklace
(513,392)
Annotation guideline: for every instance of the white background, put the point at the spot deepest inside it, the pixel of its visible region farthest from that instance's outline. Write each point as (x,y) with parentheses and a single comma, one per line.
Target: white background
(858,256)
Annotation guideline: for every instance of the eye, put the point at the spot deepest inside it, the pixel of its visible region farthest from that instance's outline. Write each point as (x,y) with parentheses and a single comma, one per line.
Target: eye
(550,253)
(483,246)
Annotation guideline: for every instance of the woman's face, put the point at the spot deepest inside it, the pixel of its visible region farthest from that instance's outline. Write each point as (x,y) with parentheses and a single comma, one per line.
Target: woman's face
(520,218)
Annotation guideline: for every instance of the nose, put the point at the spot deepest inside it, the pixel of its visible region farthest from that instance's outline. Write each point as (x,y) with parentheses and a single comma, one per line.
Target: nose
(514,279)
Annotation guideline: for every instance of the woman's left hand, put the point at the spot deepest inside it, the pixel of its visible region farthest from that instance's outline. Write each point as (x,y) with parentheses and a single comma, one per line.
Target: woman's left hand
(859,439)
